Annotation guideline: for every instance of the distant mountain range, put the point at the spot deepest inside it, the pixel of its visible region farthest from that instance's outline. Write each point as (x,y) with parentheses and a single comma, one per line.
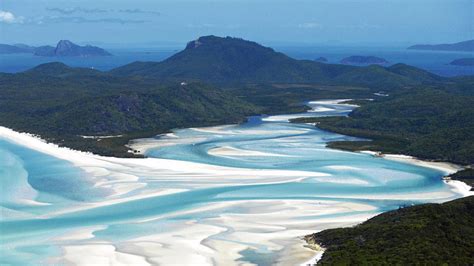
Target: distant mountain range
(63,48)
(466,46)
(229,60)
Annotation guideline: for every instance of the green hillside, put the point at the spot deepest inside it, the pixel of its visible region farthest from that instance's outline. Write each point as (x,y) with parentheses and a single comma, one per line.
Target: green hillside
(233,60)
(430,234)
(144,98)
(61,103)
(429,123)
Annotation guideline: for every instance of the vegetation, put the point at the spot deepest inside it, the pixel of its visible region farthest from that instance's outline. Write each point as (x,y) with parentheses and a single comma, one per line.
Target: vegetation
(430,234)
(430,123)
(290,98)
(61,104)
(466,176)
(229,60)
(425,115)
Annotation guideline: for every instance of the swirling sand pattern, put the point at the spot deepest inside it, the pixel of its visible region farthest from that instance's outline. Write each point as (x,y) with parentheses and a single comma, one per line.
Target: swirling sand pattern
(227,195)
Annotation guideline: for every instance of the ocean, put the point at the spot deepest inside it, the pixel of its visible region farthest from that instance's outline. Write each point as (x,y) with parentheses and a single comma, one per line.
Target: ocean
(434,61)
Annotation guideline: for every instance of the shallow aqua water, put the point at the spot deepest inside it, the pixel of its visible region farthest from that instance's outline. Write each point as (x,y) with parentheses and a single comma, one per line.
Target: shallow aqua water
(29,231)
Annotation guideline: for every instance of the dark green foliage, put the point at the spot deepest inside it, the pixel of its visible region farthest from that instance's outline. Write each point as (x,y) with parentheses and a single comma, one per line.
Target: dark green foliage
(226,60)
(414,73)
(466,176)
(430,234)
(290,98)
(428,123)
(61,103)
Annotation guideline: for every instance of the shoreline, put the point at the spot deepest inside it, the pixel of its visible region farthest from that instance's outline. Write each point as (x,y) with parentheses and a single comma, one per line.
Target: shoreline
(92,164)
(447,167)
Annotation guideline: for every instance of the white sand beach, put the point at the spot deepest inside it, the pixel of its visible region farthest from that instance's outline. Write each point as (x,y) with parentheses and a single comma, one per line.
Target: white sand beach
(222,238)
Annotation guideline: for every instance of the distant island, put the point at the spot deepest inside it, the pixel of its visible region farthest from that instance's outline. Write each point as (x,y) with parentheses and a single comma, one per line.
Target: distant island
(463,62)
(16,49)
(363,60)
(63,48)
(466,46)
(321,59)
(68,48)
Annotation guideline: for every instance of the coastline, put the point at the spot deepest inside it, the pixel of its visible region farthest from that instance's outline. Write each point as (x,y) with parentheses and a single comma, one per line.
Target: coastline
(95,164)
(446,167)
(266,214)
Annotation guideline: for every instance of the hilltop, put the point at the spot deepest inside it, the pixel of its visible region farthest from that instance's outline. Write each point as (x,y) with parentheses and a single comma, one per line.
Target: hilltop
(234,60)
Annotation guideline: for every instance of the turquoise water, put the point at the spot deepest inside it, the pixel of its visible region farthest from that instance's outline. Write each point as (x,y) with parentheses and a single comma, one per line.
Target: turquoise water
(33,233)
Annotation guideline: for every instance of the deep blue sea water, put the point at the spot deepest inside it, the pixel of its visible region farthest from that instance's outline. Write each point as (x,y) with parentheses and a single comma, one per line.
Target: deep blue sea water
(433,61)
(12,63)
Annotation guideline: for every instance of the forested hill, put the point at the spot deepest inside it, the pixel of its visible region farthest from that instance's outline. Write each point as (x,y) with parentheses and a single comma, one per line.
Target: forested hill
(430,234)
(61,103)
(223,60)
(434,123)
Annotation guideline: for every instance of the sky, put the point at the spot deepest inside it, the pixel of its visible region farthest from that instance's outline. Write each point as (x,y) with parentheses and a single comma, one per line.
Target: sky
(162,22)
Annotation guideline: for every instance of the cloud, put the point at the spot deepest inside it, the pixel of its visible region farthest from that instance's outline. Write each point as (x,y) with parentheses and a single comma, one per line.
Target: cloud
(139,11)
(80,20)
(213,26)
(69,11)
(9,18)
(310,25)
(74,10)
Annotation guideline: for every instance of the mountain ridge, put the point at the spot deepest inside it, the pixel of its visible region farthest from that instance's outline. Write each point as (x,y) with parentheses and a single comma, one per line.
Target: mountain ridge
(229,60)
